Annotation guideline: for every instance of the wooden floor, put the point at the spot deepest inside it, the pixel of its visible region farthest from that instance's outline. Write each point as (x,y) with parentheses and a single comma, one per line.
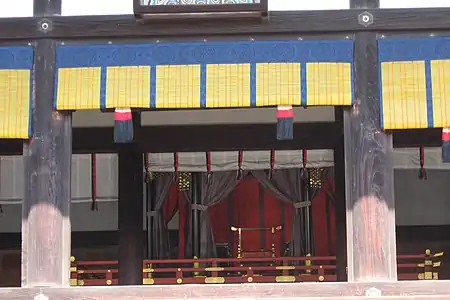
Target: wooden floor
(418,290)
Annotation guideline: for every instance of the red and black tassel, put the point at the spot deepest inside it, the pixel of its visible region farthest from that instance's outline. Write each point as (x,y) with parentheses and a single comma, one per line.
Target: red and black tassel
(123,126)
(94,204)
(446,145)
(208,168)
(240,172)
(422,171)
(285,122)
(272,164)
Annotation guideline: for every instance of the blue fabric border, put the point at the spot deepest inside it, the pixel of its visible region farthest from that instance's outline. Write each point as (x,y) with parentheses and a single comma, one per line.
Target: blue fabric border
(380,88)
(73,56)
(16,58)
(429,93)
(30,117)
(253,85)
(103,88)
(55,92)
(152,86)
(407,49)
(203,86)
(304,87)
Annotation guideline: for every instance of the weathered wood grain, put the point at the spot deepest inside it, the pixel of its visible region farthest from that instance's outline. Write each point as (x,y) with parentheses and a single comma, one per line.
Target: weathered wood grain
(130,210)
(371,244)
(298,22)
(339,205)
(47,162)
(321,135)
(417,290)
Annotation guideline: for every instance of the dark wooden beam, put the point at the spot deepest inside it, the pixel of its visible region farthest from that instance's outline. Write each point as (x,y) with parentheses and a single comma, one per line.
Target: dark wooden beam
(47,160)
(371,244)
(403,290)
(297,22)
(323,135)
(339,201)
(131,208)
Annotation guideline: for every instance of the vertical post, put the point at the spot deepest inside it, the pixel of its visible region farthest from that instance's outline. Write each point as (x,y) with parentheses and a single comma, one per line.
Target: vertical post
(130,207)
(47,166)
(195,214)
(150,193)
(370,206)
(339,192)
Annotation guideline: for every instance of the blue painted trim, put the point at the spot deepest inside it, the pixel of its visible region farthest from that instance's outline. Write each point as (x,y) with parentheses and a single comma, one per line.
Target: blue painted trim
(30,104)
(380,88)
(55,93)
(103,88)
(16,58)
(153,87)
(203,86)
(352,82)
(303,84)
(407,49)
(252,85)
(429,89)
(73,56)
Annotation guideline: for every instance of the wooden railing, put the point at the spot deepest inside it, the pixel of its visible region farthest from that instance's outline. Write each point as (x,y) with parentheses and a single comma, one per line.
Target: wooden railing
(243,270)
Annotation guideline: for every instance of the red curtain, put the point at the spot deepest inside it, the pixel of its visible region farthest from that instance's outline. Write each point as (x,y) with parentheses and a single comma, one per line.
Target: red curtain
(324,234)
(247,214)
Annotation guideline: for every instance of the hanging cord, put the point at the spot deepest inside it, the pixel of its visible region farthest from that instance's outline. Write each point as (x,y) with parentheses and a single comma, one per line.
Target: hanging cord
(208,168)
(422,171)
(94,204)
(176,164)
(240,172)
(272,164)
(148,174)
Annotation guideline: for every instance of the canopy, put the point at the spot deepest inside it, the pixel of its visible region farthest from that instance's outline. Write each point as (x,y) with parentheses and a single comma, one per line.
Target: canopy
(405,158)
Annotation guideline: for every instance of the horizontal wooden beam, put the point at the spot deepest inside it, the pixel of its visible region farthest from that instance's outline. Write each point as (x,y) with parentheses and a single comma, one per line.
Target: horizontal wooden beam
(295,22)
(423,290)
(320,135)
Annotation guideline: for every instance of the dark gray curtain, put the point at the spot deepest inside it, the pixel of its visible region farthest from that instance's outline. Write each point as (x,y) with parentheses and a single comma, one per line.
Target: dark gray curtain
(212,192)
(160,235)
(286,185)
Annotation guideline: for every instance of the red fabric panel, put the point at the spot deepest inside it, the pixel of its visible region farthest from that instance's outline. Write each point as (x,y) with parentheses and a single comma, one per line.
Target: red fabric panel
(170,207)
(219,221)
(321,234)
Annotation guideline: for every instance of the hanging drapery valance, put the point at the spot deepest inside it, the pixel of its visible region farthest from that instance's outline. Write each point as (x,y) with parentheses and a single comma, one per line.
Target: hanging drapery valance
(415,77)
(404,158)
(16,64)
(204,75)
(229,160)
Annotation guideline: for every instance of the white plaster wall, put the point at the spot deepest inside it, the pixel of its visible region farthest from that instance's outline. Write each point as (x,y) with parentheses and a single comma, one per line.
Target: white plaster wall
(413,3)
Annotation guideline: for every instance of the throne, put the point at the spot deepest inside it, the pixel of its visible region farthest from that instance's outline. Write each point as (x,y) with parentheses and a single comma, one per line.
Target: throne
(245,252)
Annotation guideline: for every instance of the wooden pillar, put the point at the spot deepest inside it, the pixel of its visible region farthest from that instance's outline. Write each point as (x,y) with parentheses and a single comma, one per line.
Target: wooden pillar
(195,214)
(130,207)
(339,192)
(47,165)
(371,248)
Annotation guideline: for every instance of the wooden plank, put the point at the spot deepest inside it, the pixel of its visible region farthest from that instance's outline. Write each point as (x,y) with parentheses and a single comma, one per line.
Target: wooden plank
(371,244)
(130,209)
(320,135)
(422,290)
(297,22)
(47,162)
(339,204)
